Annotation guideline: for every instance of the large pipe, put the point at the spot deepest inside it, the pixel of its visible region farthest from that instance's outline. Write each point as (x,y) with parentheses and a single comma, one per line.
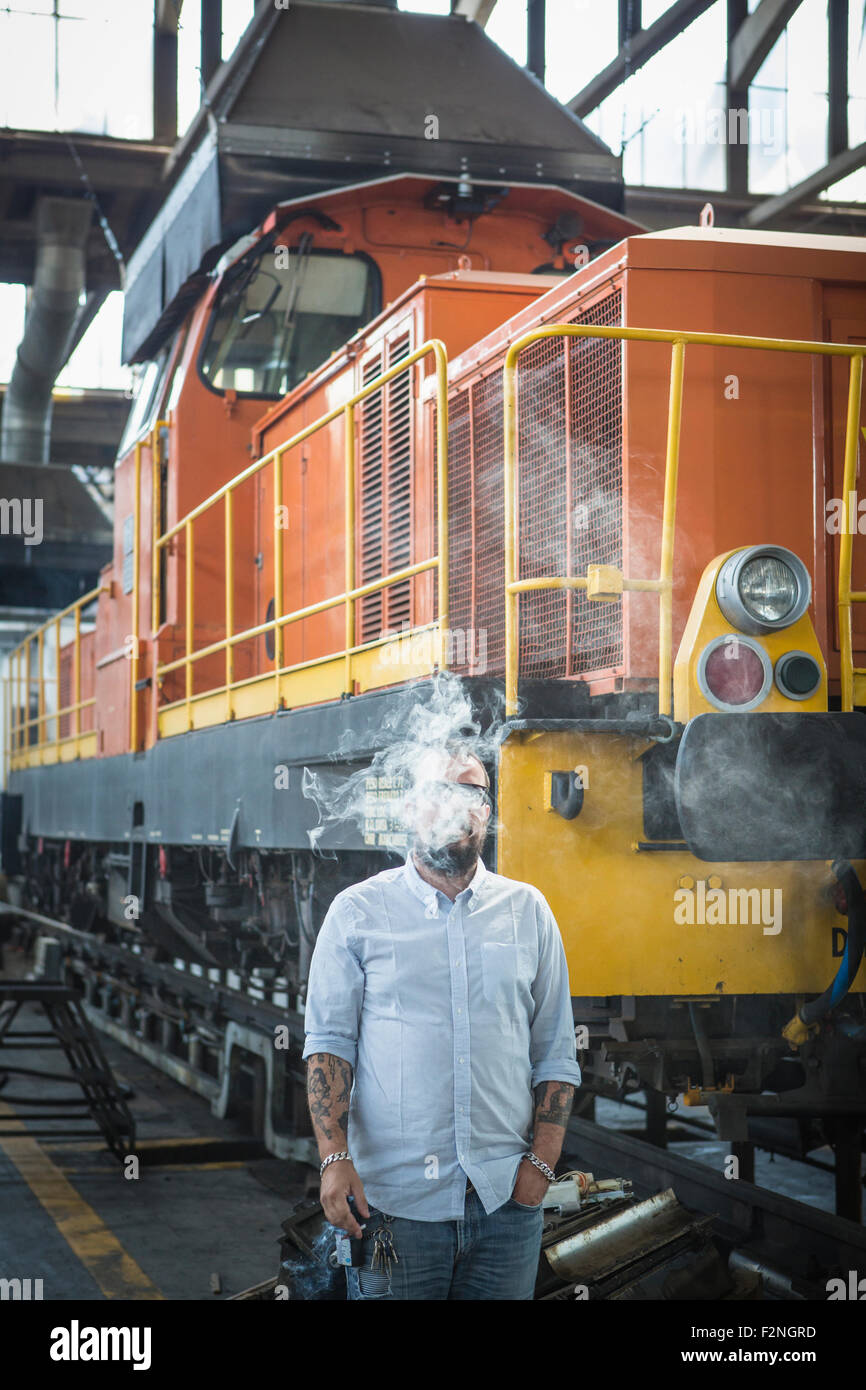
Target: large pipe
(62,225)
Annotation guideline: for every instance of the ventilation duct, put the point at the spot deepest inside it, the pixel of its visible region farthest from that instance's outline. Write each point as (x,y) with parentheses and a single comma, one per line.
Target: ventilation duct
(62,226)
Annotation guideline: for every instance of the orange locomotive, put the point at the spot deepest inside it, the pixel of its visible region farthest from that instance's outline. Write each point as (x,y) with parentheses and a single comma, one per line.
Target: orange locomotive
(609,496)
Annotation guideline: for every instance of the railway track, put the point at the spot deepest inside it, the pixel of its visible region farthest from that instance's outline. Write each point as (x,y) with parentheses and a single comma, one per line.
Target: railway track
(208,1035)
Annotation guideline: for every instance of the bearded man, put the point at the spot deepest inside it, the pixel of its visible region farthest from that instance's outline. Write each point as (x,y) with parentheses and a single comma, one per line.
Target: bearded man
(441,1061)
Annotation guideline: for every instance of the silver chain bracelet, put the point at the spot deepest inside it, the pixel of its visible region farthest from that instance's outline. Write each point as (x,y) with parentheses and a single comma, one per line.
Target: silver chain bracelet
(334,1158)
(541,1166)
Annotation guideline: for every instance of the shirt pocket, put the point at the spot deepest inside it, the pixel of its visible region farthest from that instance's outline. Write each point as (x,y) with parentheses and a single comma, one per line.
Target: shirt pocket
(499,966)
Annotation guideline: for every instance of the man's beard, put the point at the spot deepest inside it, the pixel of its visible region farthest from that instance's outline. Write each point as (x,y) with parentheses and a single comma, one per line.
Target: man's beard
(449,859)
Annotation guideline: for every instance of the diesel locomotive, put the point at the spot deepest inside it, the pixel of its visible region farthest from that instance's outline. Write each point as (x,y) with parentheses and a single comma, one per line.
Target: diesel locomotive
(605,480)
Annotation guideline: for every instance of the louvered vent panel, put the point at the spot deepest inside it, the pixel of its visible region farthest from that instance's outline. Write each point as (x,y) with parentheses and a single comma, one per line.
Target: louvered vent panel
(369,610)
(398,599)
(386,494)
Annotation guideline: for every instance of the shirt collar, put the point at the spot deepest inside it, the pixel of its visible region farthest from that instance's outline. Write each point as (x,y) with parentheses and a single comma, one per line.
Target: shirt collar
(428,894)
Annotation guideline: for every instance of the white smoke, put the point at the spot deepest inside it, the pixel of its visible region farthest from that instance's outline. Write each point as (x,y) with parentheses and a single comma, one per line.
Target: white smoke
(382,798)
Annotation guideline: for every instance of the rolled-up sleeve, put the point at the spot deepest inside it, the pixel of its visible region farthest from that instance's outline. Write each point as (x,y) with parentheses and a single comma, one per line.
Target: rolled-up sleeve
(335,991)
(552,1049)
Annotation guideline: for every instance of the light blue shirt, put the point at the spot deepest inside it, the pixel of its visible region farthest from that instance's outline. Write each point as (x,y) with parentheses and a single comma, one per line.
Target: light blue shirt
(449,1014)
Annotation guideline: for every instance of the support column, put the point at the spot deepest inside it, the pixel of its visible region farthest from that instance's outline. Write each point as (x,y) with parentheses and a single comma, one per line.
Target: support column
(837,77)
(744,1151)
(211,38)
(535,37)
(165,18)
(656,1118)
(737,99)
(847,1144)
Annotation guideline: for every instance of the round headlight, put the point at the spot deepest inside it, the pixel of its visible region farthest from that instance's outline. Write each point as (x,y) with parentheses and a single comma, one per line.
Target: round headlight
(768,588)
(763,588)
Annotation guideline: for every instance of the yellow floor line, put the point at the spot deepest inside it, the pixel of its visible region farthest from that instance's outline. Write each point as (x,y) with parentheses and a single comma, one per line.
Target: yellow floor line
(98,1249)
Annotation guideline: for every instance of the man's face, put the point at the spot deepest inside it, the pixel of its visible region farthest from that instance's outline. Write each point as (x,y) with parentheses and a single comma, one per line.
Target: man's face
(450,809)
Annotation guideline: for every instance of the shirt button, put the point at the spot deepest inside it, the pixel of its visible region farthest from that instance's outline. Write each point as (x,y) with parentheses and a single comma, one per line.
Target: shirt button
(460,1060)
(460,1011)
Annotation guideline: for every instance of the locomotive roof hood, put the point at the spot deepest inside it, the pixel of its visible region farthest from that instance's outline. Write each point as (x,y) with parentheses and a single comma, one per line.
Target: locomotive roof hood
(322,95)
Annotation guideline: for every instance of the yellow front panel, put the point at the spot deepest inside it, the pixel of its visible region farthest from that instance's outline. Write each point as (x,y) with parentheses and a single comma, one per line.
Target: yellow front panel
(616,905)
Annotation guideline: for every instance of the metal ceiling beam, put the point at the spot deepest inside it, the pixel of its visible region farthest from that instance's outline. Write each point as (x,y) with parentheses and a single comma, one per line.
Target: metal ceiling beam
(477,10)
(43,157)
(639,51)
(660,208)
(755,37)
(837,168)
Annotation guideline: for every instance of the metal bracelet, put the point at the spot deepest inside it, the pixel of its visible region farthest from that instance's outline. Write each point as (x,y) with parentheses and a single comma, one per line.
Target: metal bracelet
(541,1166)
(334,1158)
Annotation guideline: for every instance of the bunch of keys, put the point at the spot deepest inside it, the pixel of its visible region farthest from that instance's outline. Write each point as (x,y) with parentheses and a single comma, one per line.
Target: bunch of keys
(384,1254)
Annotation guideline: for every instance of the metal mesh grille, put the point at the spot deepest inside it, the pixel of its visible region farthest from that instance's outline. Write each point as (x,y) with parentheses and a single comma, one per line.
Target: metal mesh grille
(570,497)
(570,487)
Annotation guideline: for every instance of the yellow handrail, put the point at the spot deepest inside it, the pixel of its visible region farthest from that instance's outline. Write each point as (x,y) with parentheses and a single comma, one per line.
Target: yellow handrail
(133,664)
(20,723)
(846,547)
(663,585)
(352,592)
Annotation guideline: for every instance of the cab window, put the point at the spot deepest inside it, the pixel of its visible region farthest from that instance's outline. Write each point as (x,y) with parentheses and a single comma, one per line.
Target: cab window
(281,313)
(144,403)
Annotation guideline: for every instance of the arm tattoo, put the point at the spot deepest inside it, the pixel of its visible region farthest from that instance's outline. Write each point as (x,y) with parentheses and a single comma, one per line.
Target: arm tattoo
(329,1084)
(553,1101)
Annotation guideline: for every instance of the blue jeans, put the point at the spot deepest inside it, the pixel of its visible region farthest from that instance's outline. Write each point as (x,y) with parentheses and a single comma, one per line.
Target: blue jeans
(477,1257)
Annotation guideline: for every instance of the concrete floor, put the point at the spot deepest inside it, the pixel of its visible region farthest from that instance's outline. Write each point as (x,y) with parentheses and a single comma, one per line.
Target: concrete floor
(71,1218)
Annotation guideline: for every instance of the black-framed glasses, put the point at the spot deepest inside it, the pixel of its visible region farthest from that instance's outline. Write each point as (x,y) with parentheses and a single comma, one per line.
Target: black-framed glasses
(472,793)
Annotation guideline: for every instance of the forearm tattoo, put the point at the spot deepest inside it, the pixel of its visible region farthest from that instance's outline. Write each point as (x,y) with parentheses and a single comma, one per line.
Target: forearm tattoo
(553,1100)
(329,1084)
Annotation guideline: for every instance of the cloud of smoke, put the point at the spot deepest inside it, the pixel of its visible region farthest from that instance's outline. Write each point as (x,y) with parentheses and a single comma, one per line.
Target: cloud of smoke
(383,798)
(311,1276)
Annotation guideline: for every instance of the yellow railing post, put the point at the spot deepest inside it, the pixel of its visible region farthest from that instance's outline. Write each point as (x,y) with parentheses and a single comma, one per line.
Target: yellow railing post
(669,516)
(846,547)
(278,574)
(7,725)
(77,676)
(155,528)
(17,700)
(509,431)
(189,622)
(442,508)
(349,425)
(230,580)
(133,672)
(57,687)
(40,724)
(28,680)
